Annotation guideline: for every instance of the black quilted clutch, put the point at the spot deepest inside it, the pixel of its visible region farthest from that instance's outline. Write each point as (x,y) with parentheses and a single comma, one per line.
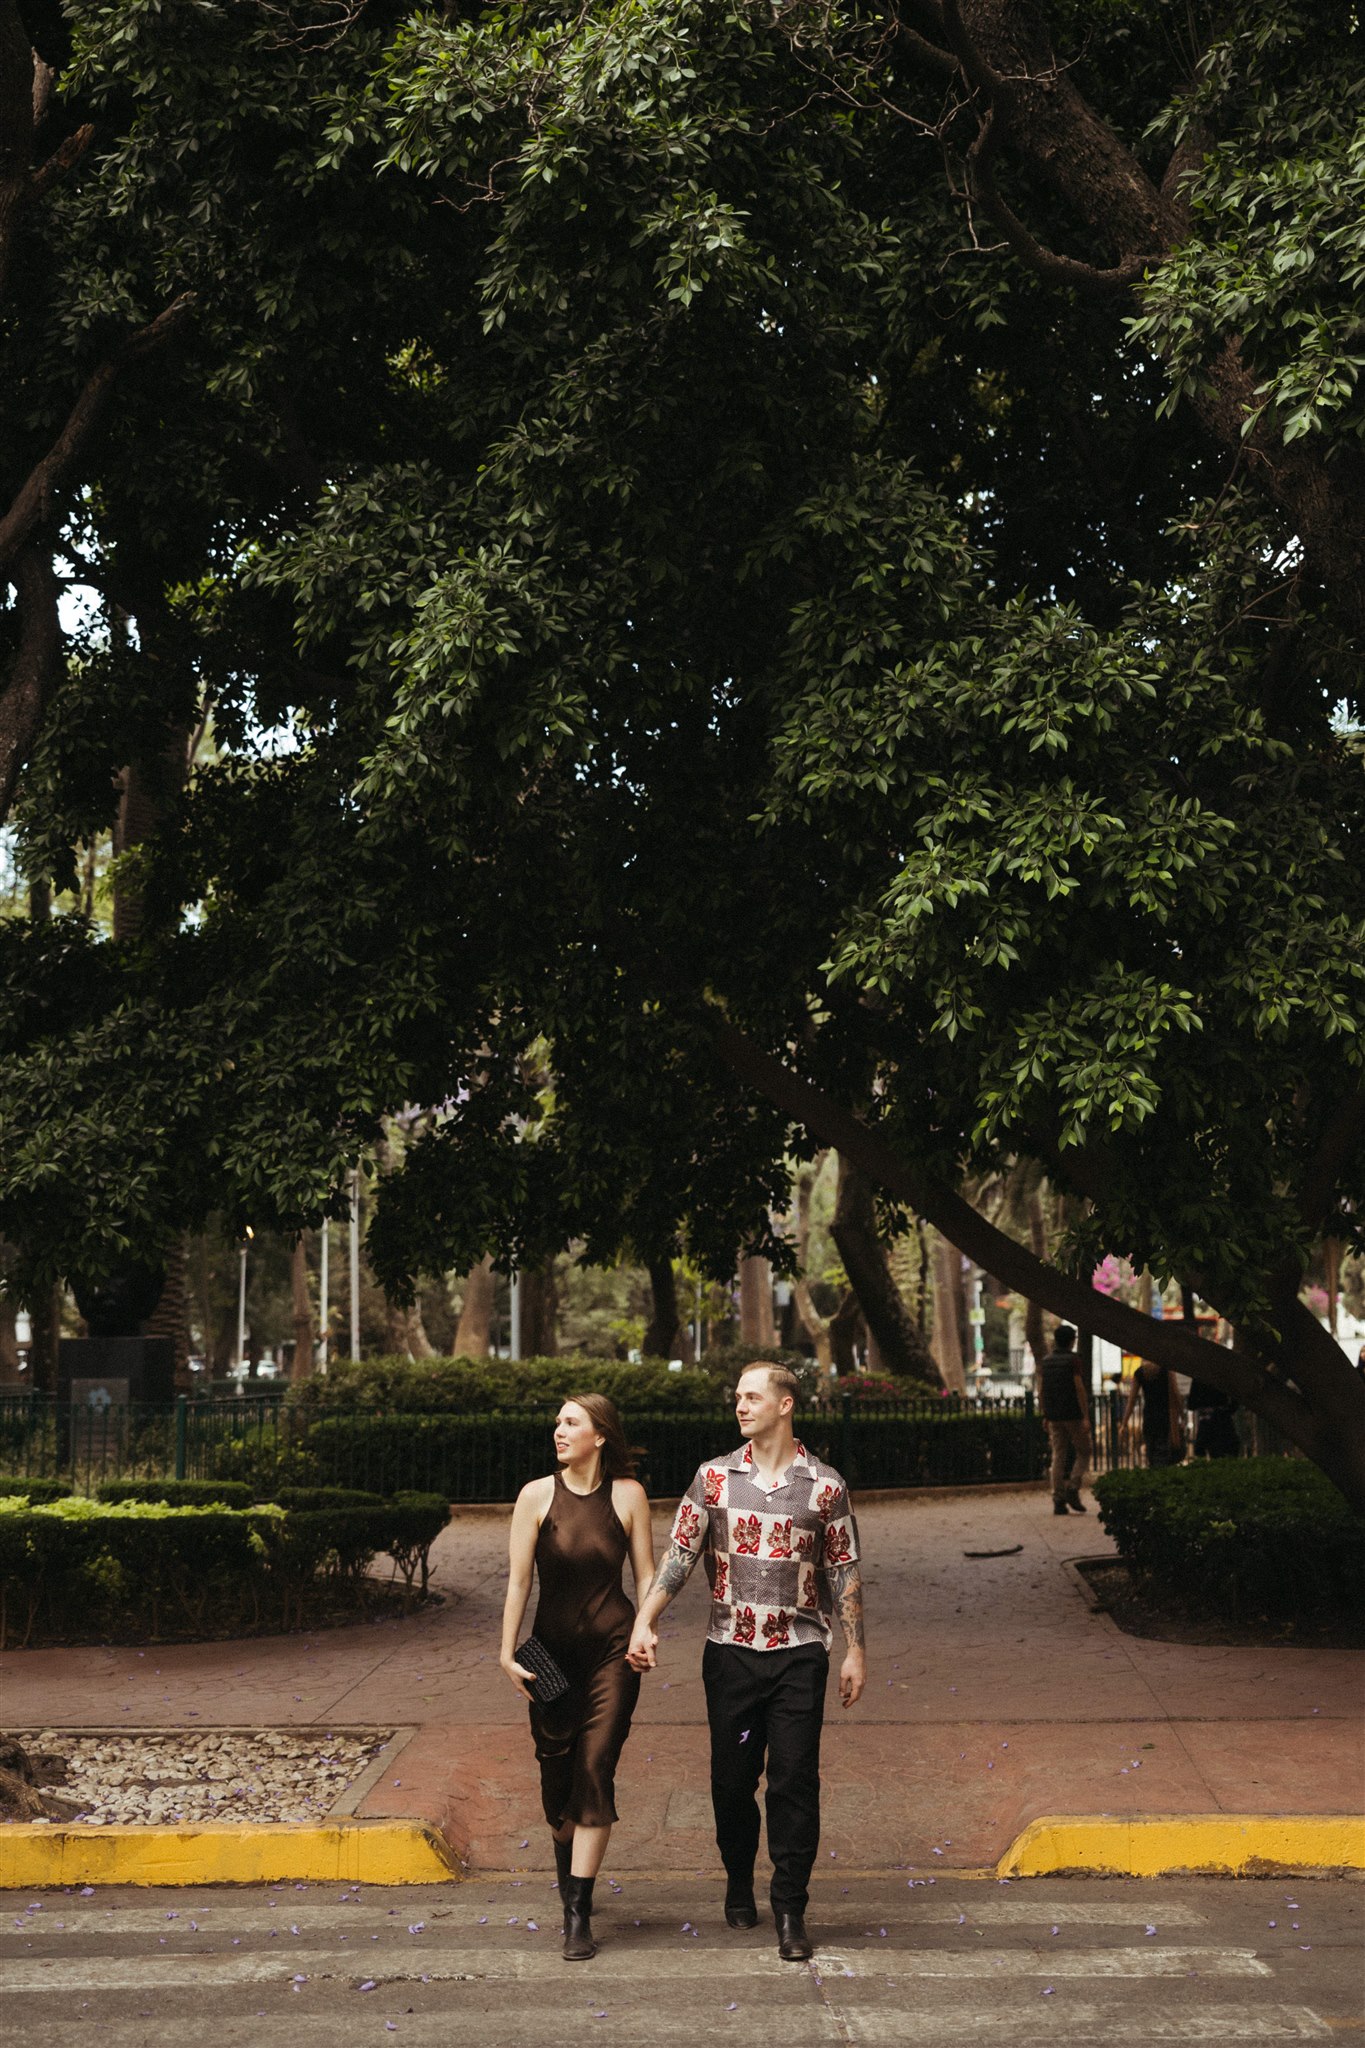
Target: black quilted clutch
(550,1682)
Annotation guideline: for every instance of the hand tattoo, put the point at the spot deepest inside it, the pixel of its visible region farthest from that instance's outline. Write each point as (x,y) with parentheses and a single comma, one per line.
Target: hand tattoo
(846,1585)
(675,1568)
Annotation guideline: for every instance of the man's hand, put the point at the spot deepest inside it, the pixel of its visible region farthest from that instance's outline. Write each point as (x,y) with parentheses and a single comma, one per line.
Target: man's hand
(644,1642)
(852,1676)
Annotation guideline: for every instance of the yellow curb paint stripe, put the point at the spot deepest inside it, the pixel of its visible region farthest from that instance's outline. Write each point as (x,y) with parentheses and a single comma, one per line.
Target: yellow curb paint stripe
(363,1852)
(1161,1845)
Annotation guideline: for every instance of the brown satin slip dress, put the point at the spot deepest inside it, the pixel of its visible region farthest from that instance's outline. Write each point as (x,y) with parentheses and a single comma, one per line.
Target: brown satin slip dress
(584,1619)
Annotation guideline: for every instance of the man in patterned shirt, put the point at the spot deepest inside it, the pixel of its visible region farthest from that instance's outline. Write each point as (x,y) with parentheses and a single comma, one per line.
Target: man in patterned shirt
(781,1550)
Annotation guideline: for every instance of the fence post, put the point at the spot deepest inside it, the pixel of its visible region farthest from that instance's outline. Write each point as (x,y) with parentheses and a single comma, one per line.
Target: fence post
(845,1404)
(181,1427)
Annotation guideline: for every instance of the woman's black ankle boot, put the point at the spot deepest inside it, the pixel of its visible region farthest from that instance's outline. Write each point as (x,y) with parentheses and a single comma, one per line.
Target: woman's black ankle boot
(579,1945)
(563,1864)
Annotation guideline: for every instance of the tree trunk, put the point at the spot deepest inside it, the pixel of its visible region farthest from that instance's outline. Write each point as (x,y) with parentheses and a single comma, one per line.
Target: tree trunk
(539,1312)
(171,1316)
(1296,1375)
(419,1344)
(890,1325)
(474,1329)
(304,1341)
(9,1343)
(756,1324)
(662,1334)
(1035,1330)
(845,1329)
(947,1332)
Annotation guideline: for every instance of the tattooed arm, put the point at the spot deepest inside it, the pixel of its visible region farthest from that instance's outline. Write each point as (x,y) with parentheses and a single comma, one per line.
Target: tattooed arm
(846,1586)
(674,1570)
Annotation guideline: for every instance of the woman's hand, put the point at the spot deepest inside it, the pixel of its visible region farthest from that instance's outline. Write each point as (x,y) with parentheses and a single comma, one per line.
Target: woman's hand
(519,1676)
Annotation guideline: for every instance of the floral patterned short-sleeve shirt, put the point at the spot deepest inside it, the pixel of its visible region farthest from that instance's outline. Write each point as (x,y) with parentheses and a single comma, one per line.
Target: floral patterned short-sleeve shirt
(769,1550)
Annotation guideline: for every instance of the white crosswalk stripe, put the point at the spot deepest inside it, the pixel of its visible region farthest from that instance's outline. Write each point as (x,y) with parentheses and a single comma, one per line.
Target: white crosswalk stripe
(1089,2021)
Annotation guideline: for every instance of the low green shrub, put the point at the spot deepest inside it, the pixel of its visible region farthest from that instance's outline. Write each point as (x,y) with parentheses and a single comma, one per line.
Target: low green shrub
(468,1386)
(305,1498)
(13,1487)
(1254,1536)
(133,1569)
(178,1493)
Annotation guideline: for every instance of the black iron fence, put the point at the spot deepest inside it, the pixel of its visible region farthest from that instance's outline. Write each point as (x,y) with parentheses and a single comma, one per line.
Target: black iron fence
(928,1441)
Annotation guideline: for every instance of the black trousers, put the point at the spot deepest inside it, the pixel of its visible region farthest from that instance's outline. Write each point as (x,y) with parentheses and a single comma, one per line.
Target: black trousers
(767,1706)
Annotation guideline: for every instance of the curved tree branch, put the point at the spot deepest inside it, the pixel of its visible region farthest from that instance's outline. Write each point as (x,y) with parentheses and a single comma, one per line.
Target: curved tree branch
(1237,1371)
(33,501)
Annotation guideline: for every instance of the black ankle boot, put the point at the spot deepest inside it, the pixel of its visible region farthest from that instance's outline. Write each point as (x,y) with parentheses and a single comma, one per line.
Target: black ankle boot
(579,1946)
(740,1907)
(793,1942)
(563,1863)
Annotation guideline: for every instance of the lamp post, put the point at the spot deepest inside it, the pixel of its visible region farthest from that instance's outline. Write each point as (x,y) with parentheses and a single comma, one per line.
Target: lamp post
(355,1262)
(324,1292)
(241,1307)
(514,1316)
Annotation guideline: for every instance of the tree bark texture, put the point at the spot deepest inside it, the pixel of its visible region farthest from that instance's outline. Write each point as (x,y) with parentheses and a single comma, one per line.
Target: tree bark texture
(301,1300)
(474,1329)
(1297,1377)
(1034,1328)
(890,1325)
(947,1329)
(171,1316)
(661,1334)
(539,1312)
(756,1324)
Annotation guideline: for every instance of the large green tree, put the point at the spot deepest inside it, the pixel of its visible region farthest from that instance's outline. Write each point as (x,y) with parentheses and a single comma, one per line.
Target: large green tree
(819,579)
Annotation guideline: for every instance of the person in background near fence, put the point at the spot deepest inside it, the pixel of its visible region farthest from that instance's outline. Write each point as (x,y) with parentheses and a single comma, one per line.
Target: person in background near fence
(1215,1428)
(781,1553)
(1163,1414)
(1066,1411)
(574,1529)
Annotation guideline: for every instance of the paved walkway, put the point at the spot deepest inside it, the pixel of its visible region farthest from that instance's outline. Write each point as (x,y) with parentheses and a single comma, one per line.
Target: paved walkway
(1049,1964)
(996,1696)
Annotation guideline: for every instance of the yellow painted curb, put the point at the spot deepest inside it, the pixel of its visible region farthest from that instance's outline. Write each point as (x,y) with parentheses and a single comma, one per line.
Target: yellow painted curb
(363,1852)
(1160,1845)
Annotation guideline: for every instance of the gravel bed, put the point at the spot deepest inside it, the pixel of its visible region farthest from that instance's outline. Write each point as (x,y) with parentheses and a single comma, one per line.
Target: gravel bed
(165,1775)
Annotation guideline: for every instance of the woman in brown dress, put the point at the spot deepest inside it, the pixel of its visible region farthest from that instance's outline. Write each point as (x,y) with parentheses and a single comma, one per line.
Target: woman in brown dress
(575,1529)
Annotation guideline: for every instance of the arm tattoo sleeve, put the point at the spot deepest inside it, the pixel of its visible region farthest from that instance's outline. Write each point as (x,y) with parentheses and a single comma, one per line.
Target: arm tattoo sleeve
(846,1585)
(675,1568)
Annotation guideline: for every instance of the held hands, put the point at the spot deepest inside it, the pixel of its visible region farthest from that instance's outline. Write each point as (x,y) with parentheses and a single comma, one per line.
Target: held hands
(852,1677)
(519,1676)
(643,1643)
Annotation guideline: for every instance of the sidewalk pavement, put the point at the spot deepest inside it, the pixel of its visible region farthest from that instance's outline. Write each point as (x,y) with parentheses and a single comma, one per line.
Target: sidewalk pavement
(996,1695)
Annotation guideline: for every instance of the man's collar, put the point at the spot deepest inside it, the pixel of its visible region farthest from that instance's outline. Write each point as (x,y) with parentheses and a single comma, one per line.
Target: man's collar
(743,1460)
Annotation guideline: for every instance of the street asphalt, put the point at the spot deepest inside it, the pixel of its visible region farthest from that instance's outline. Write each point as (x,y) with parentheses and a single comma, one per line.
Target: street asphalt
(899,1964)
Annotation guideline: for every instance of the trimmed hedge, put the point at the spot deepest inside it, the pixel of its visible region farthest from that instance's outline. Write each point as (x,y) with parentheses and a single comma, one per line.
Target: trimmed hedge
(177,1493)
(490,1457)
(13,1487)
(483,1386)
(132,1570)
(1254,1536)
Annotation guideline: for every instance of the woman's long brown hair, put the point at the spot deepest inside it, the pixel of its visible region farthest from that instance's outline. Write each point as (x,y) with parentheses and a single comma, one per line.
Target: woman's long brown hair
(618,1459)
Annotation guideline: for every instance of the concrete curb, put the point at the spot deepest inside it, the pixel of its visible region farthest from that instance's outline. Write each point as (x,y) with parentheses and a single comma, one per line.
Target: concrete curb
(1187,1844)
(35,1854)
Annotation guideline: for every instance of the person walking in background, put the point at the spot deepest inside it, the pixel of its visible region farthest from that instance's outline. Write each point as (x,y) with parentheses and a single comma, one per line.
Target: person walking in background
(1163,1414)
(781,1550)
(1215,1428)
(574,1529)
(1066,1411)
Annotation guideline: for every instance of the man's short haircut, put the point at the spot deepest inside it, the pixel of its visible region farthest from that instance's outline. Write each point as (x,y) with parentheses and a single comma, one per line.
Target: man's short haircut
(781,1378)
(1064,1336)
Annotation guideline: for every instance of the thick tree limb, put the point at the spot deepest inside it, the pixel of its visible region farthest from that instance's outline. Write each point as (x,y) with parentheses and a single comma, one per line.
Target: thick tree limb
(33,667)
(64,158)
(33,501)
(1237,1371)
(17,91)
(1342,1141)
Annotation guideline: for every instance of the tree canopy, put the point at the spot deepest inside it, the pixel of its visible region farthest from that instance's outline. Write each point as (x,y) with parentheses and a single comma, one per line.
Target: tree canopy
(796,569)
